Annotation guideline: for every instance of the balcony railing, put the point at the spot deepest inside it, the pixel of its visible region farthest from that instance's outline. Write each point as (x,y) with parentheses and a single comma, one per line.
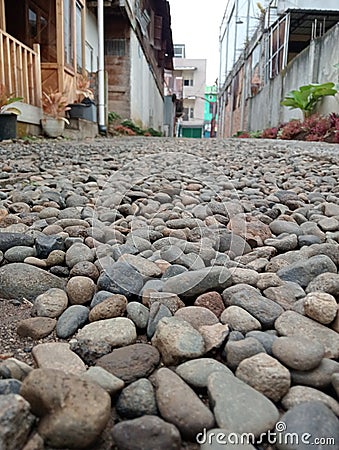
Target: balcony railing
(20,69)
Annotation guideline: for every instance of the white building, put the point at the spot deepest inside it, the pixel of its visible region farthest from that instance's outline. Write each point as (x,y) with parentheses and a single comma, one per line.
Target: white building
(187,82)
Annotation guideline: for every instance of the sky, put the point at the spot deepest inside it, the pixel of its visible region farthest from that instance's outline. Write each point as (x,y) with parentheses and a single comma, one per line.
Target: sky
(196,23)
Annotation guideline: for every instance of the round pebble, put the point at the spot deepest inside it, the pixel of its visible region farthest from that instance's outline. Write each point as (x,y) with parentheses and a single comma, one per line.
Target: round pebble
(298,353)
(80,290)
(321,307)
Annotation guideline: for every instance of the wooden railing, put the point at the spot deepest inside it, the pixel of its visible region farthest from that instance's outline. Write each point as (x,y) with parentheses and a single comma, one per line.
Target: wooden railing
(20,69)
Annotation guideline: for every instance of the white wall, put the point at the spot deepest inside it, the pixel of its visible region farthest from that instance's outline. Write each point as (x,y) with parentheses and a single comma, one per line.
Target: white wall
(147,104)
(91,42)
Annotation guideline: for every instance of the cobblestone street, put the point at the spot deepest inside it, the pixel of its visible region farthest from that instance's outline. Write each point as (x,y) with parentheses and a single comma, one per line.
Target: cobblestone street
(149,285)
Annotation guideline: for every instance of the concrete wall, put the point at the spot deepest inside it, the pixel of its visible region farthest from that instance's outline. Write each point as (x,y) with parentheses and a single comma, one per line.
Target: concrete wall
(265,107)
(313,65)
(118,68)
(147,104)
(328,56)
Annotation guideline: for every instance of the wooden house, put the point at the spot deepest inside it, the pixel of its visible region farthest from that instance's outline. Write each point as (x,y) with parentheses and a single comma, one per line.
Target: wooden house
(44,44)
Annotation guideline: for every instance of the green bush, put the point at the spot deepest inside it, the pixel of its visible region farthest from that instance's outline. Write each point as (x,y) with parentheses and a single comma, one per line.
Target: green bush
(113,117)
(132,126)
(128,127)
(255,134)
(153,132)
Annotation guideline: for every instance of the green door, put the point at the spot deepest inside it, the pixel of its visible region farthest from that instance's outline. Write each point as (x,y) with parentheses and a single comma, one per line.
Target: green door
(192,132)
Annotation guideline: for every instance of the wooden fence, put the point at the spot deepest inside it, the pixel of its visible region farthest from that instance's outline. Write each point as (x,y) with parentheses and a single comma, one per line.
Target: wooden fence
(20,69)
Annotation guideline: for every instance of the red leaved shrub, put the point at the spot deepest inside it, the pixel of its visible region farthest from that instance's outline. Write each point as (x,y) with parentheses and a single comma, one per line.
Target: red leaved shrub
(270,133)
(124,130)
(315,128)
(244,135)
(292,130)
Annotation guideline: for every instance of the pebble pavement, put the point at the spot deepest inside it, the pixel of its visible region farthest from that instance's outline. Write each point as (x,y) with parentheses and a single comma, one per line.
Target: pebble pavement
(168,291)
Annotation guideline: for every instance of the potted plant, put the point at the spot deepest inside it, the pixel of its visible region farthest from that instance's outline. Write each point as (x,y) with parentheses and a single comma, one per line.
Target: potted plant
(54,105)
(84,107)
(8,114)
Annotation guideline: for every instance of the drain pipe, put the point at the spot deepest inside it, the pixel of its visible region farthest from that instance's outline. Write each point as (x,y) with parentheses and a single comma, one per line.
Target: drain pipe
(101,69)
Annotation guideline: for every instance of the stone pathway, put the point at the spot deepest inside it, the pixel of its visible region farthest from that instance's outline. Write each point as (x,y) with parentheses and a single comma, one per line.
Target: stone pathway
(172,290)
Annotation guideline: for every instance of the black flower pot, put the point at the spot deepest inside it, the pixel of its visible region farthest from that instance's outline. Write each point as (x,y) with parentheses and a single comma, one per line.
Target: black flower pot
(84,110)
(7,126)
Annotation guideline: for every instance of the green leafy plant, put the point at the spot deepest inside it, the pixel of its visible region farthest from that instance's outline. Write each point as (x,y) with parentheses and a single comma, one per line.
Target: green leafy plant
(255,134)
(7,99)
(113,116)
(128,127)
(152,132)
(132,126)
(307,97)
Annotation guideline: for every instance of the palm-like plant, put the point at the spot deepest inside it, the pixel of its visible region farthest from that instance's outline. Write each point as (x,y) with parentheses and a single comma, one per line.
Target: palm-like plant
(83,89)
(7,99)
(54,104)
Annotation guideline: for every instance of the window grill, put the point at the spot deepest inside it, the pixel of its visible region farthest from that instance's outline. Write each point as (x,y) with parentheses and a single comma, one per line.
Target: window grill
(115,47)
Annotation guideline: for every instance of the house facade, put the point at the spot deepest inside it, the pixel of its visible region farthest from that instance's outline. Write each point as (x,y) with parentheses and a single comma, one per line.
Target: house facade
(210,115)
(187,82)
(45,44)
(261,49)
(138,48)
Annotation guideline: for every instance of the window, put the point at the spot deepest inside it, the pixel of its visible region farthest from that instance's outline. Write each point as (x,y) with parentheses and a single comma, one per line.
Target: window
(42,29)
(188,113)
(179,51)
(79,35)
(115,47)
(188,82)
(33,24)
(68,32)
(158,32)
(73,34)
(185,114)
(89,52)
